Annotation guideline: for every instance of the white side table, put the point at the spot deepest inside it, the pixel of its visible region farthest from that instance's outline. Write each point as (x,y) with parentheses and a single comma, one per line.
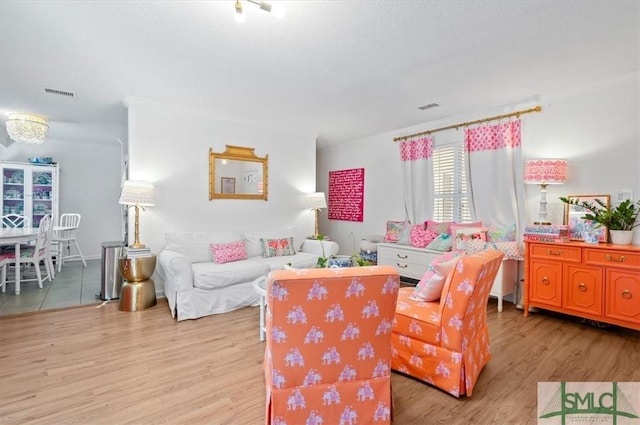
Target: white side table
(505,282)
(260,286)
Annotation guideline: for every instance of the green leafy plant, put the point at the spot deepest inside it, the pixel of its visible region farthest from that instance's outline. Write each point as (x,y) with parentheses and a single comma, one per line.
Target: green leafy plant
(622,217)
(357,258)
(322,261)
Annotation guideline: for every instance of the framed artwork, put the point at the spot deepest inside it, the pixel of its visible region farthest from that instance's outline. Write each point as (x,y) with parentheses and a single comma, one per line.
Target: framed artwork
(574,213)
(228,184)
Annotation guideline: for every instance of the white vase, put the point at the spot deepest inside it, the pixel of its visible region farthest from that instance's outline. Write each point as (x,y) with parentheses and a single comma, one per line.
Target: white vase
(621,237)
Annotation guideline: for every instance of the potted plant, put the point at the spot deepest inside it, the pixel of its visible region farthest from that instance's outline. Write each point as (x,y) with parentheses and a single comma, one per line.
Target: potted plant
(620,220)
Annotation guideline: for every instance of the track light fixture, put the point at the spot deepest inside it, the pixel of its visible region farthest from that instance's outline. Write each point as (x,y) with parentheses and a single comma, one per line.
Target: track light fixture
(277,10)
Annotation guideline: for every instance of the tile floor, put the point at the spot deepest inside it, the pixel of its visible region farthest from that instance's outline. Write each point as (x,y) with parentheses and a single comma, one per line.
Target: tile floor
(74,285)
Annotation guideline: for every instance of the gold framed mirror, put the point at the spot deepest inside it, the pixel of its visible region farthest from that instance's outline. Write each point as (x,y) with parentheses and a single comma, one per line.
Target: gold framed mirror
(238,173)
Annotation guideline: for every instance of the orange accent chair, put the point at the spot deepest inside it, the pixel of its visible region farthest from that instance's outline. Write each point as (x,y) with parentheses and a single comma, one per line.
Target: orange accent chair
(328,346)
(446,342)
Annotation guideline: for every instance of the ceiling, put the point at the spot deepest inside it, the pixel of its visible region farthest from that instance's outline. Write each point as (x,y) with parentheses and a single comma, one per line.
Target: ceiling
(335,70)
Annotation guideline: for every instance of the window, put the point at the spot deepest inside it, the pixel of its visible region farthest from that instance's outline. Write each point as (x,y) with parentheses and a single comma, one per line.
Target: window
(450,198)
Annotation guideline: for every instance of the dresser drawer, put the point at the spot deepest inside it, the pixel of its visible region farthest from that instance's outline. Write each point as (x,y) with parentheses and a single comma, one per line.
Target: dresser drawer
(560,252)
(409,261)
(611,258)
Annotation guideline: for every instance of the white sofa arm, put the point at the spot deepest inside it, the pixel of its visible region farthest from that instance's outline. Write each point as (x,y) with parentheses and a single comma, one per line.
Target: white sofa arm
(314,246)
(177,269)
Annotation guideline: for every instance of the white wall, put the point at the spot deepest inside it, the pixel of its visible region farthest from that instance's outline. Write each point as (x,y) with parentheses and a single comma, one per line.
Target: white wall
(89,185)
(596,128)
(169,146)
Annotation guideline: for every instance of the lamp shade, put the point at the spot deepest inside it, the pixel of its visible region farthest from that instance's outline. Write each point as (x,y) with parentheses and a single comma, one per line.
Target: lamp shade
(135,192)
(545,171)
(26,127)
(315,200)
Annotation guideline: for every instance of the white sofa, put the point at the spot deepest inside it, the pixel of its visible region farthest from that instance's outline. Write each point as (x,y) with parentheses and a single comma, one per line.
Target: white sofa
(195,286)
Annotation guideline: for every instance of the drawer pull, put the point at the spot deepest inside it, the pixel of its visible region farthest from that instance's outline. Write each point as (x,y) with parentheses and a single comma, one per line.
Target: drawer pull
(582,287)
(402,257)
(626,294)
(554,253)
(619,260)
(545,280)
(402,266)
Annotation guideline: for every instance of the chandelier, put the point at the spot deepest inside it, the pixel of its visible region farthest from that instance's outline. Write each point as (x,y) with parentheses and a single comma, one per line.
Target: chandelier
(26,127)
(277,10)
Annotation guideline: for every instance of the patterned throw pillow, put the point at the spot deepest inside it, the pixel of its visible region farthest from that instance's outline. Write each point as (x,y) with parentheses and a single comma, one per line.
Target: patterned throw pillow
(501,233)
(420,236)
(430,286)
(227,252)
(393,230)
(277,247)
(442,242)
(405,233)
(462,235)
(511,249)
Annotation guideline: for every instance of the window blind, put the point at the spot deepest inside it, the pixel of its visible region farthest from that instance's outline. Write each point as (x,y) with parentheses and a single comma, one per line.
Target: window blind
(451,201)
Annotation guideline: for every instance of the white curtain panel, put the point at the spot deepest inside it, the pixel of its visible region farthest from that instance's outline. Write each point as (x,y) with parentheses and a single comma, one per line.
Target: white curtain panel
(416,158)
(495,174)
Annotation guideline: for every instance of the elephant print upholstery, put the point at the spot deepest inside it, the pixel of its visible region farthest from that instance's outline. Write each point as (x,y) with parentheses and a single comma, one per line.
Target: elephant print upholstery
(328,345)
(445,343)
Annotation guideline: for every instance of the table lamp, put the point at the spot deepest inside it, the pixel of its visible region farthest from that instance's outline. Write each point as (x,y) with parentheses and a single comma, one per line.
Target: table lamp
(316,201)
(137,194)
(545,172)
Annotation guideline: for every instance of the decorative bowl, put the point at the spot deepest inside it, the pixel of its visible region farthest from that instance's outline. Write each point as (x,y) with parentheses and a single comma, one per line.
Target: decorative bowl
(41,160)
(340,262)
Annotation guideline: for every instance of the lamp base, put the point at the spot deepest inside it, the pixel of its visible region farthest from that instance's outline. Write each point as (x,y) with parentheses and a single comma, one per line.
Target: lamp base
(137,245)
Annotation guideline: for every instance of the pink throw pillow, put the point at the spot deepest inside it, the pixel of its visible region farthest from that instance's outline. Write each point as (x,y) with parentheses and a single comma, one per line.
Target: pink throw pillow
(438,227)
(227,252)
(420,236)
(430,286)
(460,225)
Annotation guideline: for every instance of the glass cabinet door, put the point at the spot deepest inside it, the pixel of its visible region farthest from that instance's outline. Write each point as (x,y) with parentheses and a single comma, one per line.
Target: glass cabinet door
(42,195)
(13,191)
(29,190)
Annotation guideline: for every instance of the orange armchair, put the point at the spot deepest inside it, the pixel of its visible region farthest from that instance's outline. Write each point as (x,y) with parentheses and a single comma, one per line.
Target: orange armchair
(328,348)
(446,342)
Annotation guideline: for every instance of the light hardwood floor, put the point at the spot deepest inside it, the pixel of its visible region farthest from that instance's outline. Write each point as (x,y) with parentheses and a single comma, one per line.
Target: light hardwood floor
(98,365)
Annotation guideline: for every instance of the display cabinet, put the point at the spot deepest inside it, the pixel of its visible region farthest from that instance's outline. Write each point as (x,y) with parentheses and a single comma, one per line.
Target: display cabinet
(30,190)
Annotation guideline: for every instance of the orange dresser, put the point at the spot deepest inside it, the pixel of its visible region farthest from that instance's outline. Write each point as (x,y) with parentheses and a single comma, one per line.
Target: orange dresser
(594,281)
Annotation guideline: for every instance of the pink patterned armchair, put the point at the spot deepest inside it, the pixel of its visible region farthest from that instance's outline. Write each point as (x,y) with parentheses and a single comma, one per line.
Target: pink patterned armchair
(446,342)
(328,349)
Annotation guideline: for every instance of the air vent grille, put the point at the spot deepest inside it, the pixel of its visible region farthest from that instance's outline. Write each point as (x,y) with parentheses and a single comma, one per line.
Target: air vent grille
(59,92)
(429,106)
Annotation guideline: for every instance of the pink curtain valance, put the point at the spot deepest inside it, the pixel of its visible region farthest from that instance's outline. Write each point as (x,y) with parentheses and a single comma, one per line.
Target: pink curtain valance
(491,137)
(412,150)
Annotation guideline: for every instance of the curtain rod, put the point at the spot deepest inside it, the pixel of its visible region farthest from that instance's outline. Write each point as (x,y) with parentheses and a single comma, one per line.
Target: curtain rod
(468,123)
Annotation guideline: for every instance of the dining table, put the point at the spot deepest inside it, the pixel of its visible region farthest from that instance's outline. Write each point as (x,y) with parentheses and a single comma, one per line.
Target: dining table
(16,236)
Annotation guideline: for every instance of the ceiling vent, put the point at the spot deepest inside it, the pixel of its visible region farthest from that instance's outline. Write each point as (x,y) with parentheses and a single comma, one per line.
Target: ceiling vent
(429,106)
(59,92)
